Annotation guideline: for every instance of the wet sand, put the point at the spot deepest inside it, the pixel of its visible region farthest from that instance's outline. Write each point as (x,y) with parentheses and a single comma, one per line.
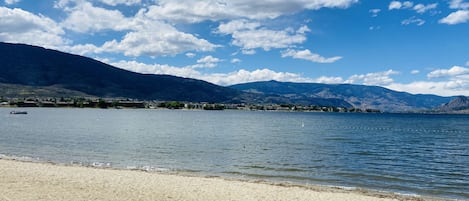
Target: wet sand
(41,181)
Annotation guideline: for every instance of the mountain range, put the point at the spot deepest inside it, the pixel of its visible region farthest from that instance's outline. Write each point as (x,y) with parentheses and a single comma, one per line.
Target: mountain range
(27,70)
(358,96)
(39,67)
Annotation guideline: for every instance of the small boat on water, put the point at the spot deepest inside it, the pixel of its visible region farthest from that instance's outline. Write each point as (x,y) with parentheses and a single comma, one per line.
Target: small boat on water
(18,112)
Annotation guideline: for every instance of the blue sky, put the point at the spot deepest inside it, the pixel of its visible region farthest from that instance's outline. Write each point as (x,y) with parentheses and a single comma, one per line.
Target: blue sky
(416,46)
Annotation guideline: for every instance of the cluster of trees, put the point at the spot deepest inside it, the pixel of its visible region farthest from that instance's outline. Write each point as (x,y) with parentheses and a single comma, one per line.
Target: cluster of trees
(181,105)
(128,103)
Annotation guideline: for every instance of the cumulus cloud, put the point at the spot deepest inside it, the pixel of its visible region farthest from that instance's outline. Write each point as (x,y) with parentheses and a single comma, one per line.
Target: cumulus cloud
(308,55)
(236,26)
(413,72)
(235,61)
(20,26)
(379,78)
(156,69)
(329,80)
(190,11)
(451,82)
(396,5)
(251,35)
(243,76)
(190,55)
(444,88)
(374,12)
(451,72)
(207,62)
(421,8)
(9,2)
(458,4)
(85,17)
(159,39)
(450,87)
(224,79)
(457,17)
(81,49)
(117,2)
(248,52)
(413,20)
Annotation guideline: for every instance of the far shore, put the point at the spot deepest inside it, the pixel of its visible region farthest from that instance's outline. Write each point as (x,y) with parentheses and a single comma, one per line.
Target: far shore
(21,180)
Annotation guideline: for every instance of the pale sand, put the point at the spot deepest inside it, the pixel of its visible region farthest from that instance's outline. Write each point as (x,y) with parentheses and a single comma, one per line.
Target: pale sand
(39,181)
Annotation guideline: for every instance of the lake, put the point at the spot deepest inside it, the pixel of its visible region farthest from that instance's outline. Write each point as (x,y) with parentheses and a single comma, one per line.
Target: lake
(405,153)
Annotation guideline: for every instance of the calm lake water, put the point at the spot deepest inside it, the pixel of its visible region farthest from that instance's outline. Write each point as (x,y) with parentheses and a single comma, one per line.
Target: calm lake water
(405,153)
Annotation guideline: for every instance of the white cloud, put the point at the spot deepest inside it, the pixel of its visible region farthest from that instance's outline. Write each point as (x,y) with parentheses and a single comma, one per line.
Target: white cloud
(80,49)
(207,62)
(85,17)
(458,17)
(421,8)
(159,40)
(19,26)
(407,4)
(157,69)
(209,59)
(329,80)
(236,26)
(117,2)
(235,61)
(9,2)
(196,11)
(248,52)
(224,79)
(190,55)
(308,55)
(458,4)
(413,72)
(251,35)
(453,81)
(449,87)
(467,63)
(142,36)
(62,3)
(379,78)
(413,20)
(452,72)
(243,76)
(444,88)
(400,5)
(374,12)
(395,5)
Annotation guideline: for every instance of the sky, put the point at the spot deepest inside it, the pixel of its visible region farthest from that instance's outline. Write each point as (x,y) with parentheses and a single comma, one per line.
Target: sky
(420,46)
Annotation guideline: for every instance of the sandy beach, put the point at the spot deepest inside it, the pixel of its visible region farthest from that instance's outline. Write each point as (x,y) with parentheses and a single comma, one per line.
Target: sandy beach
(40,181)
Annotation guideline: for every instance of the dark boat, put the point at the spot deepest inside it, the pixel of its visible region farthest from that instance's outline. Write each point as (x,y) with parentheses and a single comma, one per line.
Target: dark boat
(18,112)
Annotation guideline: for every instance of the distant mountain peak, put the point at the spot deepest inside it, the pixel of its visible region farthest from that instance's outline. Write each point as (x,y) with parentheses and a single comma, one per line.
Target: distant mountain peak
(456,104)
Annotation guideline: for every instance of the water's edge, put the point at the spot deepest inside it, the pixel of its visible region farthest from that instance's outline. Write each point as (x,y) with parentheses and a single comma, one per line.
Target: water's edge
(197,174)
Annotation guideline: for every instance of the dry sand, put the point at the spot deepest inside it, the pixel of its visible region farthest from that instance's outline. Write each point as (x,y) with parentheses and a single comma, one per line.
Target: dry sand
(39,181)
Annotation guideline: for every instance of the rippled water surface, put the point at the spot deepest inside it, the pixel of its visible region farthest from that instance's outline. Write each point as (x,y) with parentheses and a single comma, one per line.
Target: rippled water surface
(406,153)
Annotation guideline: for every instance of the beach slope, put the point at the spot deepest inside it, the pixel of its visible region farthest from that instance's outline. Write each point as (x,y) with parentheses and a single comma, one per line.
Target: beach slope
(39,181)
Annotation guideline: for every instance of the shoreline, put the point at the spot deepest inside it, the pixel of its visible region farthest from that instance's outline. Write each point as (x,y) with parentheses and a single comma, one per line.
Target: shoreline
(32,180)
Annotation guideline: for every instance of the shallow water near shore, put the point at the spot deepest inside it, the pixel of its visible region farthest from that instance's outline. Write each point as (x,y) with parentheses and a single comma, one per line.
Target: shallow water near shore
(405,153)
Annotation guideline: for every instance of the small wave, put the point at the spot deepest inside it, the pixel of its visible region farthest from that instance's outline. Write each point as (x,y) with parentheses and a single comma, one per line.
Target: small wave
(275,169)
(101,164)
(20,158)
(148,168)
